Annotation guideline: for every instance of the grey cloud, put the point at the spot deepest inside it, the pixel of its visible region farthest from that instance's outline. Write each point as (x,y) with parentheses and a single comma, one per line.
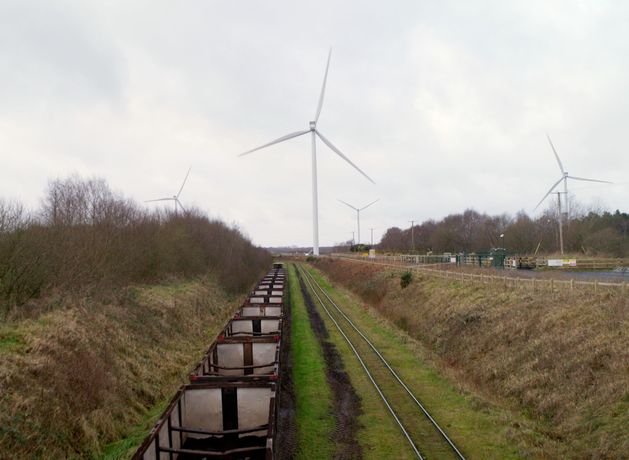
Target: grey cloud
(55,53)
(444,104)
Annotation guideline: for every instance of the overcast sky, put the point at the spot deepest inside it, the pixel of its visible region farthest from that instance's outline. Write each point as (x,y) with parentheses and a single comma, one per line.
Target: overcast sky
(444,104)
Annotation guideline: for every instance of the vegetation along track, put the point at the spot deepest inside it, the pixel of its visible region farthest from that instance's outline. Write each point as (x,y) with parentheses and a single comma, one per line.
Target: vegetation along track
(424,435)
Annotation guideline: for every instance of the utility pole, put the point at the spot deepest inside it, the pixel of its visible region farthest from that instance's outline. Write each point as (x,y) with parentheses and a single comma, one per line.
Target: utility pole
(412,235)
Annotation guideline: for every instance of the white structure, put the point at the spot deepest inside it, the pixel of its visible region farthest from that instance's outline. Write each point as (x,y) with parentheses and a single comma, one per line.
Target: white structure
(358,215)
(314,133)
(564,177)
(174,198)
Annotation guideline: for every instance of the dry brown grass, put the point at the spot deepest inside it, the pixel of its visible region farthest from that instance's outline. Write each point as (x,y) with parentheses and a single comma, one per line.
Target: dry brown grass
(76,377)
(561,360)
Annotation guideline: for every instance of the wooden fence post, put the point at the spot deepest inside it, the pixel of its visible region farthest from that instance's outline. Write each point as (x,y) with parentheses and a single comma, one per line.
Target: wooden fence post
(595,286)
(552,285)
(572,284)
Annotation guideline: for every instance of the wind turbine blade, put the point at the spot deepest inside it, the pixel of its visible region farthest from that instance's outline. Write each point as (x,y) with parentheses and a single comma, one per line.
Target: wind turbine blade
(339,153)
(366,206)
(355,209)
(181,205)
(276,141)
(556,156)
(590,180)
(549,192)
(159,199)
(184,182)
(325,79)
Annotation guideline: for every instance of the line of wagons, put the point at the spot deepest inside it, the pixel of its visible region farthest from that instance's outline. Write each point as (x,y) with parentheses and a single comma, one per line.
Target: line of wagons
(229,408)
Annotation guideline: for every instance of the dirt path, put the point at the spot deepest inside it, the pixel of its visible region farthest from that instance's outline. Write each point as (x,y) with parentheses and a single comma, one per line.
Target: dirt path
(347,404)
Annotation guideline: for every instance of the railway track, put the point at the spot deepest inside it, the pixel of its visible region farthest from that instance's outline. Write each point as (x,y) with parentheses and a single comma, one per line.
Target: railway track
(422,432)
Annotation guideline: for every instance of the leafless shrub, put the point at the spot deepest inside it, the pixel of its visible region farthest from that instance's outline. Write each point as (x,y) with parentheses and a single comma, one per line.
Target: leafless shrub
(13,216)
(87,235)
(471,231)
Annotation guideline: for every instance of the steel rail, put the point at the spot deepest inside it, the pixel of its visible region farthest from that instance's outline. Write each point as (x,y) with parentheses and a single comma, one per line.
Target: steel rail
(397,377)
(349,342)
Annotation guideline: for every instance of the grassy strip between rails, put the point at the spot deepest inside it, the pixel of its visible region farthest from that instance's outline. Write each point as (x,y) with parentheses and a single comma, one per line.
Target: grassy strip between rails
(379,435)
(315,420)
(479,429)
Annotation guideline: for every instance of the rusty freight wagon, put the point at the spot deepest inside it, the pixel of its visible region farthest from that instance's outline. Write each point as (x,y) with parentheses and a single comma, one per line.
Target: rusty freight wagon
(260,309)
(222,420)
(272,285)
(275,274)
(228,411)
(253,326)
(262,305)
(239,359)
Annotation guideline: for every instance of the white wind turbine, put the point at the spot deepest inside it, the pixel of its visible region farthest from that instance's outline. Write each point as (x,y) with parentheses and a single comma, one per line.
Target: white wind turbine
(174,198)
(564,177)
(358,214)
(314,133)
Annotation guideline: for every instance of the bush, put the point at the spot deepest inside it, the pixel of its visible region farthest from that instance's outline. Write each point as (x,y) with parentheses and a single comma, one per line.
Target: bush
(406,279)
(85,235)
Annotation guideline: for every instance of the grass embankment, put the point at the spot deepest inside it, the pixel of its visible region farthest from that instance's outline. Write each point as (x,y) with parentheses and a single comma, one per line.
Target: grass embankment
(560,360)
(478,428)
(90,372)
(315,420)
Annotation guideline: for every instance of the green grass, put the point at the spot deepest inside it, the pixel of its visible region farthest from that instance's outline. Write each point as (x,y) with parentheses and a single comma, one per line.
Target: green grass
(125,447)
(379,435)
(477,427)
(11,341)
(313,396)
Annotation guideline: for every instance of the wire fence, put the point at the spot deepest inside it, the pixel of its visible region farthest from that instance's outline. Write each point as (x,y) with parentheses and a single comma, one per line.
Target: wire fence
(438,270)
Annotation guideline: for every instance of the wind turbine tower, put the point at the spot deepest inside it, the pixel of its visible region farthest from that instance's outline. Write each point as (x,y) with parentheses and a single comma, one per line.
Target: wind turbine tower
(560,220)
(564,178)
(314,133)
(358,213)
(372,229)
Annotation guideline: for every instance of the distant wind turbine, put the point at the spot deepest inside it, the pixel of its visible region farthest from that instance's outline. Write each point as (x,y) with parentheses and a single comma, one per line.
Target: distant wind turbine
(564,177)
(174,198)
(314,133)
(358,213)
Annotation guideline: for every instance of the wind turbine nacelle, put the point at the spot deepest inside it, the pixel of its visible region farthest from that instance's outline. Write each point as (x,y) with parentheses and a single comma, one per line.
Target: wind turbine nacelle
(313,125)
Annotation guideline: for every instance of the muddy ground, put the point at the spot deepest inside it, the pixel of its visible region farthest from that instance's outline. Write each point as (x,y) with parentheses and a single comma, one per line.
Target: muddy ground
(347,404)
(286,422)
